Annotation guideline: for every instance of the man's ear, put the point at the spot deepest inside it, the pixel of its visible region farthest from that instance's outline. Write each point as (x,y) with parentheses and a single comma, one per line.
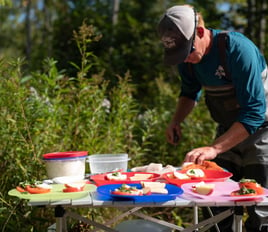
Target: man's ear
(200,32)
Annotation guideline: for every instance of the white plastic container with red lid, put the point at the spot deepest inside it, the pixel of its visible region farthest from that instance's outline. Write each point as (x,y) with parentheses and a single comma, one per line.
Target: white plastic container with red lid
(68,163)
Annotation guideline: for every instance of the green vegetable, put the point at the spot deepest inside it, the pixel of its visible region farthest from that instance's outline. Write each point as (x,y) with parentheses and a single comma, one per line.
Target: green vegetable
(115,174)
(244,180)
(127,189)
(244,191)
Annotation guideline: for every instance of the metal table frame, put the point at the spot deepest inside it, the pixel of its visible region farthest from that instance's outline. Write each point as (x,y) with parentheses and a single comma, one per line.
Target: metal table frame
(63,210)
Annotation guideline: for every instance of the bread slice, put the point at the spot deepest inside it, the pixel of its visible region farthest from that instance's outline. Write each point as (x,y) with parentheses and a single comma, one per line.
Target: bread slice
(153,184)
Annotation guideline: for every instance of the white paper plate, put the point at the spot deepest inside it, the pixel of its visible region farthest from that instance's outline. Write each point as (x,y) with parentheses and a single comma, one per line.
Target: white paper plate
(67,179)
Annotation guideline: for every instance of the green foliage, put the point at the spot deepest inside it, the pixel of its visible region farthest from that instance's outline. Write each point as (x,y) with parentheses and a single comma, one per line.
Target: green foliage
(47,111)
(5,2)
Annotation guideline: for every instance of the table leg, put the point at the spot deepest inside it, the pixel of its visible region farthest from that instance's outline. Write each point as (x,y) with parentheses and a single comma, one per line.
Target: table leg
(60,219)
(238,215)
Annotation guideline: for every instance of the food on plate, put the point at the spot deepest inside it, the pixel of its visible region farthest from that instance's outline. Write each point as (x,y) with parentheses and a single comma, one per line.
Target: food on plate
(136,177)
(125,189)
(206,165)
(152,167)
(251,184)
(147,188)
(155,168)
(188,175)
(33,187)
(116,176)
(195,173)
(168,168)
(20,189)
(37,190)
(141,176)
(203,188)
(185,164)
(181,176)
(155,187)
(74,187)
(248,187)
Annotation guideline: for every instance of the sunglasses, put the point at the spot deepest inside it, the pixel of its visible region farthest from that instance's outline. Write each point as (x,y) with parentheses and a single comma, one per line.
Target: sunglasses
(195,24)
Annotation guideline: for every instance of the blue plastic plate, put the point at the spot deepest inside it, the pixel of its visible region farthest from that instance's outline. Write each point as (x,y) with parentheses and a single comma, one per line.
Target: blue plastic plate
(173,192)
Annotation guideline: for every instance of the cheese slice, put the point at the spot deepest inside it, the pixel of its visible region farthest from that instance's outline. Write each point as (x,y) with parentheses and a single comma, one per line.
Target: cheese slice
(118,176)
(181,176)
(140,176)
(195,172)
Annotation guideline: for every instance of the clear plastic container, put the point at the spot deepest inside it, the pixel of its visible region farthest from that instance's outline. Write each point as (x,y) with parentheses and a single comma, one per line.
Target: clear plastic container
(101,163)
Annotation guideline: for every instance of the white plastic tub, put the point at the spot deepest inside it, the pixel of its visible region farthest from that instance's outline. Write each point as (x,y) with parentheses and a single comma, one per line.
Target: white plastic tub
(101,163)
(71,163)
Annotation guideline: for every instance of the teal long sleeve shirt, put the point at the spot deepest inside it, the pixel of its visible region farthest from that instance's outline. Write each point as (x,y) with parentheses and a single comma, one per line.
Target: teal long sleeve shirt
(245,63)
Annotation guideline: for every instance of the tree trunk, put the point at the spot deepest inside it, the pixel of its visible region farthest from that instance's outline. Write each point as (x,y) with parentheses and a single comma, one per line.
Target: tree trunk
(28,44)
(116,5)
(262,11)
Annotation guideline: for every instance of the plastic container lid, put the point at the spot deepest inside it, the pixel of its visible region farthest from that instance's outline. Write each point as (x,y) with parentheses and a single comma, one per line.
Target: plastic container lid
(65,155)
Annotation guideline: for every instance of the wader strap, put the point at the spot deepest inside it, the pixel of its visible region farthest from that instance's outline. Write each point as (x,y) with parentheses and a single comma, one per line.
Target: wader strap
(222,45)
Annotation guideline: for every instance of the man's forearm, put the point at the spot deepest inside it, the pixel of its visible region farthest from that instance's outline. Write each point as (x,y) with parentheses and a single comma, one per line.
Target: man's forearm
(235,135)
(184,107)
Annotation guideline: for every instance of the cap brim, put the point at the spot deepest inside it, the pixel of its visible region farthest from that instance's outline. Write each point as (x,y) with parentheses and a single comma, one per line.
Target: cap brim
(179,54)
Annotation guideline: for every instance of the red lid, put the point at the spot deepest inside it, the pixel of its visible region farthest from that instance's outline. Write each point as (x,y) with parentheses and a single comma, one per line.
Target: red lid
(65,154)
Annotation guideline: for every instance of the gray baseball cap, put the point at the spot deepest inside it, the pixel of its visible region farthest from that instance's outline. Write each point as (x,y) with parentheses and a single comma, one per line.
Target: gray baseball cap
(176,30)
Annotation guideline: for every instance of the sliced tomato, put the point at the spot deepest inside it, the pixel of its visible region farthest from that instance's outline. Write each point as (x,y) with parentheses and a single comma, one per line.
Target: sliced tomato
(252,185)
(34,190)
(237,193)
(130,193)
(20,189)
(71,189)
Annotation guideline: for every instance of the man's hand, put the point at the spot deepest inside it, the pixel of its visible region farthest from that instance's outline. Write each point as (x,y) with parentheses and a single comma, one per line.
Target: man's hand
(236,134)
(198,155)
(173,133)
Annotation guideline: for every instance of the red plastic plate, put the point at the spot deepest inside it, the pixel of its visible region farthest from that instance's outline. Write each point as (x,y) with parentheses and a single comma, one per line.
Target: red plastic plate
(101,179)
(210,176)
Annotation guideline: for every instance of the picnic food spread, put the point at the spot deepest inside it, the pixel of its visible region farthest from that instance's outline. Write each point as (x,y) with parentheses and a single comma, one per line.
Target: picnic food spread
(146,184)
